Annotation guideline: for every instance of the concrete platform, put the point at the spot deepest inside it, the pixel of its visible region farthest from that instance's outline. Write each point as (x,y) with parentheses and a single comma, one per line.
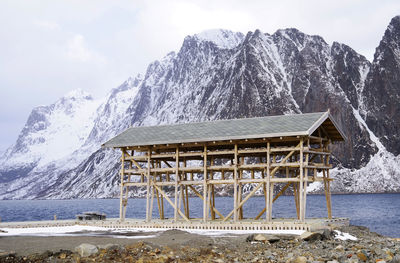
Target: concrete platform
(310,224)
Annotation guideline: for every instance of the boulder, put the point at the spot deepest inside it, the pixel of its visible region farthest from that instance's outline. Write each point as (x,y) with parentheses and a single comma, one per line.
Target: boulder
(311,236)
(86,250)
(262,238)
(272,238)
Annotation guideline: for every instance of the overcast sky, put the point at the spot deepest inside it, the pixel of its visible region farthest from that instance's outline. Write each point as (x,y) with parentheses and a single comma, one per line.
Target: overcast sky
(48,48)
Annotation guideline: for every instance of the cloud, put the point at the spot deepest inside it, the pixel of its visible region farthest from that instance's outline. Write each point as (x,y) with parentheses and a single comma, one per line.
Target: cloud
(47,25)
(77,50)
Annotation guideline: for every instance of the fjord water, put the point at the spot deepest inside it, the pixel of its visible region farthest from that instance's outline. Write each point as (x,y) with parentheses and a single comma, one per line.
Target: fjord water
(379,212)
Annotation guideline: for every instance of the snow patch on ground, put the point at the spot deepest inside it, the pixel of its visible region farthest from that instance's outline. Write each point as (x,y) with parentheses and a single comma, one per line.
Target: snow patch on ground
(344,236)
(90,230)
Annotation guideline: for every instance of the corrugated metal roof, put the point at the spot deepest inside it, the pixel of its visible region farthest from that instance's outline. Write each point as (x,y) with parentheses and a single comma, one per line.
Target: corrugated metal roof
(248,128)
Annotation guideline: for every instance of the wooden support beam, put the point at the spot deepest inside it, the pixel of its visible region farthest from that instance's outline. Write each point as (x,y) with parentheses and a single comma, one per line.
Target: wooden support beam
(244,200)
(202,198)
(276,197)
(171,203)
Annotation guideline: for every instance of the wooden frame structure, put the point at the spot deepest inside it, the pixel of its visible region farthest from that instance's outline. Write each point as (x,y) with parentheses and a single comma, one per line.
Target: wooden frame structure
(270,165)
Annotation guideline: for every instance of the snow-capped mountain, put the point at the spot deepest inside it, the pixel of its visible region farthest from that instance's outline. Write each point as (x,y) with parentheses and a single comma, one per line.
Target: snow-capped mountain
(220,74)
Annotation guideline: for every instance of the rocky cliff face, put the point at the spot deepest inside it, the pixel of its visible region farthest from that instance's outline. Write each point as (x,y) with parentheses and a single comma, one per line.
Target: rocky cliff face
(381,95)
(221,74)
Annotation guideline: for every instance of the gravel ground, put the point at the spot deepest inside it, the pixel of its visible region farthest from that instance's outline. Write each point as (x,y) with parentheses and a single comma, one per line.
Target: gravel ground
(180,246)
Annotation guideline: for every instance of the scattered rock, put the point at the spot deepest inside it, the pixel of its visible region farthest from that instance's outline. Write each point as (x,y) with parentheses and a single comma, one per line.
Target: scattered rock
(260,237)
(339,248)
(300,259)
(362,256)
(109,246)
(85,250)
(327,234)
(6,254)
(396,259)
(272,238)
(311,236)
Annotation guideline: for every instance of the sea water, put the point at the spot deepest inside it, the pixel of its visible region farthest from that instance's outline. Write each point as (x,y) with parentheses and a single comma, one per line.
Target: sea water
(379,212)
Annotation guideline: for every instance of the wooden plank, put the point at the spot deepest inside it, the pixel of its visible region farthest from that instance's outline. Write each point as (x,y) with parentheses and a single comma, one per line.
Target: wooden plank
(221,152)
(196,145)
(191,154)
(221,168)
(191,182)
(134,171)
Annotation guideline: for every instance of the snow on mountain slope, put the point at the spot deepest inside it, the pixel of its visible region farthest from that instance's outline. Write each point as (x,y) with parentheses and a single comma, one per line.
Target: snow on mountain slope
(219,74)
(222,38)
(53,132)
(77,124)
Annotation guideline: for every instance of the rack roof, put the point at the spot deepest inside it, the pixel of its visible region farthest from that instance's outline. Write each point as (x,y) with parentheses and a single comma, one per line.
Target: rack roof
(234,129)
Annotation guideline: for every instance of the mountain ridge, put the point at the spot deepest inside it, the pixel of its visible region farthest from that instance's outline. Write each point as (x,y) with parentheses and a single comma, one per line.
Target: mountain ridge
(241,75)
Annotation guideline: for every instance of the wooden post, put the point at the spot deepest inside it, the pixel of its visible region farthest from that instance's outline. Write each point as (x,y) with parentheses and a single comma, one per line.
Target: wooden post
(305,181)
(125,202)
(235,184)
(187,199)
(122,172)
(151,203)
(329,195)
(269,194)
(176,184)
(301,181)
(148,186)
(240,189)
(205,212)
(161,200)
(212,197)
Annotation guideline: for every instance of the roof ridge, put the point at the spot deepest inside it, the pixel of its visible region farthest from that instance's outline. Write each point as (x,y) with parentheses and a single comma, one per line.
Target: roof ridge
(223,120)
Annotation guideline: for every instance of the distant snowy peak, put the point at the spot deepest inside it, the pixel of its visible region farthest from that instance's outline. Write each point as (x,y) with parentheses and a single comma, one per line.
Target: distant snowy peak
(222,38)
(55,131)
(78,94)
